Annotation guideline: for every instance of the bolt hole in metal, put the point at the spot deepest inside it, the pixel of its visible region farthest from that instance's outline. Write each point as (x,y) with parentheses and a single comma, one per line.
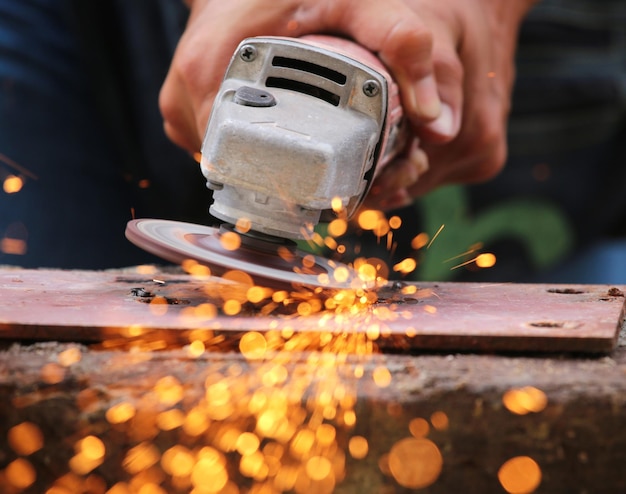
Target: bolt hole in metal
(554,324)
(547,324)
(566,291)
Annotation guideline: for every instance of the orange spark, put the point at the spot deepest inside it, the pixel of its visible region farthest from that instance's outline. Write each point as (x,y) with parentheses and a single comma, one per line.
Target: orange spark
(12,184)
(435,236)
(420,241)
(520,475)
(14,246)
(486,260)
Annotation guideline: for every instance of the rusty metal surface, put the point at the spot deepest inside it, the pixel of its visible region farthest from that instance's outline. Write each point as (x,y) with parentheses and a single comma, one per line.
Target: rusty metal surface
(94,305)
(578,439)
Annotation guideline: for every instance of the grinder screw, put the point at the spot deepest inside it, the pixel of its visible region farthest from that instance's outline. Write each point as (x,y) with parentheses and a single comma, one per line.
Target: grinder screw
(248,53)
(371,88)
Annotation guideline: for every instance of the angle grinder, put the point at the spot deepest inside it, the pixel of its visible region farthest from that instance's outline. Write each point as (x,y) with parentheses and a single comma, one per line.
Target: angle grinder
(298,131)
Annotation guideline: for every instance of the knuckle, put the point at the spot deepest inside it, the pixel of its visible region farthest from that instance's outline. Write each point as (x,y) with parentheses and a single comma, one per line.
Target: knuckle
(489,131)
(407,40)
(166,103)
(488,145)
(492,163)
(447,64)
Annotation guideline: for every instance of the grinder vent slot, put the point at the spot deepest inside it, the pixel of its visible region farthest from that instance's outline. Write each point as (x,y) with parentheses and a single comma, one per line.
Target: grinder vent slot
(303,87)
(311,68)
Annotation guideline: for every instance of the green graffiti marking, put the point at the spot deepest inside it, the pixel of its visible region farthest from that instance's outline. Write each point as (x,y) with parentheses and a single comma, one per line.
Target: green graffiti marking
(539,226)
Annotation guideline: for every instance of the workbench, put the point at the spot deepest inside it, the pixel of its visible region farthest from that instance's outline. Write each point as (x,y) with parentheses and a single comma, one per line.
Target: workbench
(96,397)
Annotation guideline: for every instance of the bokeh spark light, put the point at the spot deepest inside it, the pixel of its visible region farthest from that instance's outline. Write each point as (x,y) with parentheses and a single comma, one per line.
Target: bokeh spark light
(12,184)
(527,399)
(415,462)
(520,475)
(14,240)
(282,417)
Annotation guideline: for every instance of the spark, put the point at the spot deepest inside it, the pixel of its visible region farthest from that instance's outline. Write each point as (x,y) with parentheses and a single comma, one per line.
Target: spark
(192,267)
(168,390)
(120,413)
(471,250)
(69,357)
(170,419)
(463,264)
(406,266)
(20,473)
(140,457)
(525,400)
(390,242)
(253,345)
(230,240)
(14,246)
(148,270)
(243,225)
(91,447)
(318,467)
(22,170)
(358,447)
(337,205)
(337,227)
(12,184)
(25,438)
(418,427)
(520,475)
(231,307)
(382,377)
(284,417)
(435,236)
(395,222)
(415,463)
(439,420)
(485,260)
(419,241)
(52,373)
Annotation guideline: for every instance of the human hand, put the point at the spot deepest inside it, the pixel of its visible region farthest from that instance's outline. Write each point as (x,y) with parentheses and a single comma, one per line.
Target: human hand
(466,46)
(390,28)
(474,44)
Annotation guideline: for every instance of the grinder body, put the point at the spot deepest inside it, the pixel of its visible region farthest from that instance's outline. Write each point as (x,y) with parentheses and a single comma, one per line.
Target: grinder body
(296,125)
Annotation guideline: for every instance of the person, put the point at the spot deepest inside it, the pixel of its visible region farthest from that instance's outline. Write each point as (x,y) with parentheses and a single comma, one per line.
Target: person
(455,81)
(453,60)
(556,211)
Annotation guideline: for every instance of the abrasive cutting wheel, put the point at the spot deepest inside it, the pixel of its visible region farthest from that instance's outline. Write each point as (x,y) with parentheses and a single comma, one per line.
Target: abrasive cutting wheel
(270,261)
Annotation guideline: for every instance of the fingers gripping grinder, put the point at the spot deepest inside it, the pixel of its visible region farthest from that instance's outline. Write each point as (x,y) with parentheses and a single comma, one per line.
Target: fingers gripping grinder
(297,125)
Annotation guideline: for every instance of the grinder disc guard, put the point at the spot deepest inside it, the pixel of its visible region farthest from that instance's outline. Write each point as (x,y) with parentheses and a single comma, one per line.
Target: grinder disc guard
(178,241)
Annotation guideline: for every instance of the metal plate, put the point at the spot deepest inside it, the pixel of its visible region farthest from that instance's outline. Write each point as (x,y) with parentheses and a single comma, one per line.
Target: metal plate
(92,306)
(178,241)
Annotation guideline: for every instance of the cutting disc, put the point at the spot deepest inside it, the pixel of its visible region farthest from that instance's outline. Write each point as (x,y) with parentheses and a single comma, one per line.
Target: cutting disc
(281,267)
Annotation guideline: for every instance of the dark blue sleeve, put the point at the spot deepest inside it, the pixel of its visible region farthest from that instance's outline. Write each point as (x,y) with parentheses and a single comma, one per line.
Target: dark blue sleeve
(80,126)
